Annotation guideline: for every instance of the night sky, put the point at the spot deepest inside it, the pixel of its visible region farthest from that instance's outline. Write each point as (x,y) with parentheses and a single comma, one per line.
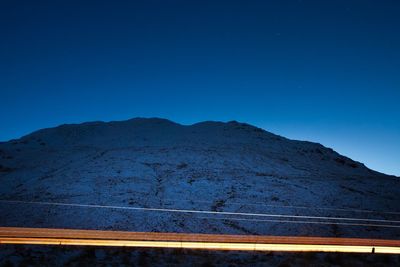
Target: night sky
(323,71)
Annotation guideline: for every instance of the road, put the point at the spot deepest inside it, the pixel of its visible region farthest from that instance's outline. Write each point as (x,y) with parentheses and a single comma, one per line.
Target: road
(46,236)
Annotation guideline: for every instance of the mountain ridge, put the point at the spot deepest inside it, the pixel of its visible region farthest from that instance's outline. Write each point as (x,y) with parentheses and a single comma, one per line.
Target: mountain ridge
(157,164)
(172,123)
(163,121)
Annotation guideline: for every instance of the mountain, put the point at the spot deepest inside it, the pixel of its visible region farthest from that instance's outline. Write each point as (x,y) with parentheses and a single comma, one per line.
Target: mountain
(210,177)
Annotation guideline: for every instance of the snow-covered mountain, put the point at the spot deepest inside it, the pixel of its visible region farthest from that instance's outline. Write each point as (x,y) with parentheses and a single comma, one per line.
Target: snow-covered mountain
(210,177)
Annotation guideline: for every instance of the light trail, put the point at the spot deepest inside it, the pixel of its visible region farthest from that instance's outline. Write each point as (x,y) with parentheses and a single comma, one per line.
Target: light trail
(42,236)
(204,212)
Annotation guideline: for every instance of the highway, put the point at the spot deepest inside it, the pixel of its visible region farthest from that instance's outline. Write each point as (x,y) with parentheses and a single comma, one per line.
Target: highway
(46,236)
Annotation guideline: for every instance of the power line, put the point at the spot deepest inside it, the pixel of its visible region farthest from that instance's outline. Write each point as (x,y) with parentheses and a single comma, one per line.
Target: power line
(301,222)
(288,206)
(200,211)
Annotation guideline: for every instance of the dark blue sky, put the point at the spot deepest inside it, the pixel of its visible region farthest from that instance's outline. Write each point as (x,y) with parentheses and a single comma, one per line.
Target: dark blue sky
(324,71)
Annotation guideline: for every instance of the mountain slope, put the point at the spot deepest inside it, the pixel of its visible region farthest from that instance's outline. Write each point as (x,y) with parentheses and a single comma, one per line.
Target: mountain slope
(210,166)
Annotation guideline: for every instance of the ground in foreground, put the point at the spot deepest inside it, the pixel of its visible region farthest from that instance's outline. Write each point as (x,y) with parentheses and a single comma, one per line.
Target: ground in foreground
(11,255)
